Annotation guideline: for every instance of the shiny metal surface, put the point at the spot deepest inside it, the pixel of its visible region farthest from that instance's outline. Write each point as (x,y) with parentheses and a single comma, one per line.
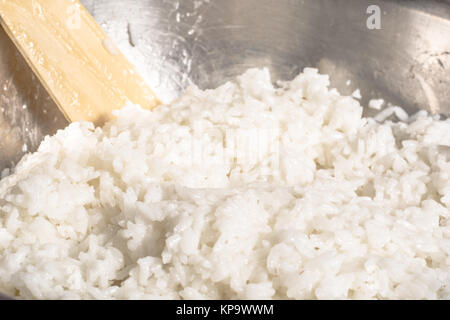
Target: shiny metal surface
(3,297)
(178,42)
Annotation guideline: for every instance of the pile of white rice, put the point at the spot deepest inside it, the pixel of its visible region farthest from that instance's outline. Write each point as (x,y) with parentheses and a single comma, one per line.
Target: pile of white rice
(243,192)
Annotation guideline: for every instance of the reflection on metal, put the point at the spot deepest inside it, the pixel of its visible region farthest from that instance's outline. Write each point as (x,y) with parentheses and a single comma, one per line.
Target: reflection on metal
(175,43)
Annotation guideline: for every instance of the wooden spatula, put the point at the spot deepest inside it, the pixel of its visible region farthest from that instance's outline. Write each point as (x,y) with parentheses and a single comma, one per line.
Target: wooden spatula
(78,64)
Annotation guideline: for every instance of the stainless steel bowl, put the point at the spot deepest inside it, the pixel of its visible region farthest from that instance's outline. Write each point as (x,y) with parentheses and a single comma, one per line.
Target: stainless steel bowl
(178,42)
(207,42)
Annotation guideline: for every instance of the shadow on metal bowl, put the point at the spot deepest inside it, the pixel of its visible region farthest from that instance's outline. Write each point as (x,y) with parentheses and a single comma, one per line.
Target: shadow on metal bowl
(175,43)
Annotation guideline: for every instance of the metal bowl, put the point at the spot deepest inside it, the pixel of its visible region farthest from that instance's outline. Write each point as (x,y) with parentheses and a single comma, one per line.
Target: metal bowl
(207,42)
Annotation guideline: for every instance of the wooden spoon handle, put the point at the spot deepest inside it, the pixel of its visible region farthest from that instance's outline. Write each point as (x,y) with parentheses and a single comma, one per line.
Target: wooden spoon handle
(78,64)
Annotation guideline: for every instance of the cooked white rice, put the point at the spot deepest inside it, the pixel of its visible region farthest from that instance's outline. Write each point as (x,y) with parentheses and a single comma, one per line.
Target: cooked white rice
(376,104)
(245,191)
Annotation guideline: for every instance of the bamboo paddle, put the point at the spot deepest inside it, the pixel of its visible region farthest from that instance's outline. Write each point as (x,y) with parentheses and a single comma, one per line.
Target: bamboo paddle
(75,60)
